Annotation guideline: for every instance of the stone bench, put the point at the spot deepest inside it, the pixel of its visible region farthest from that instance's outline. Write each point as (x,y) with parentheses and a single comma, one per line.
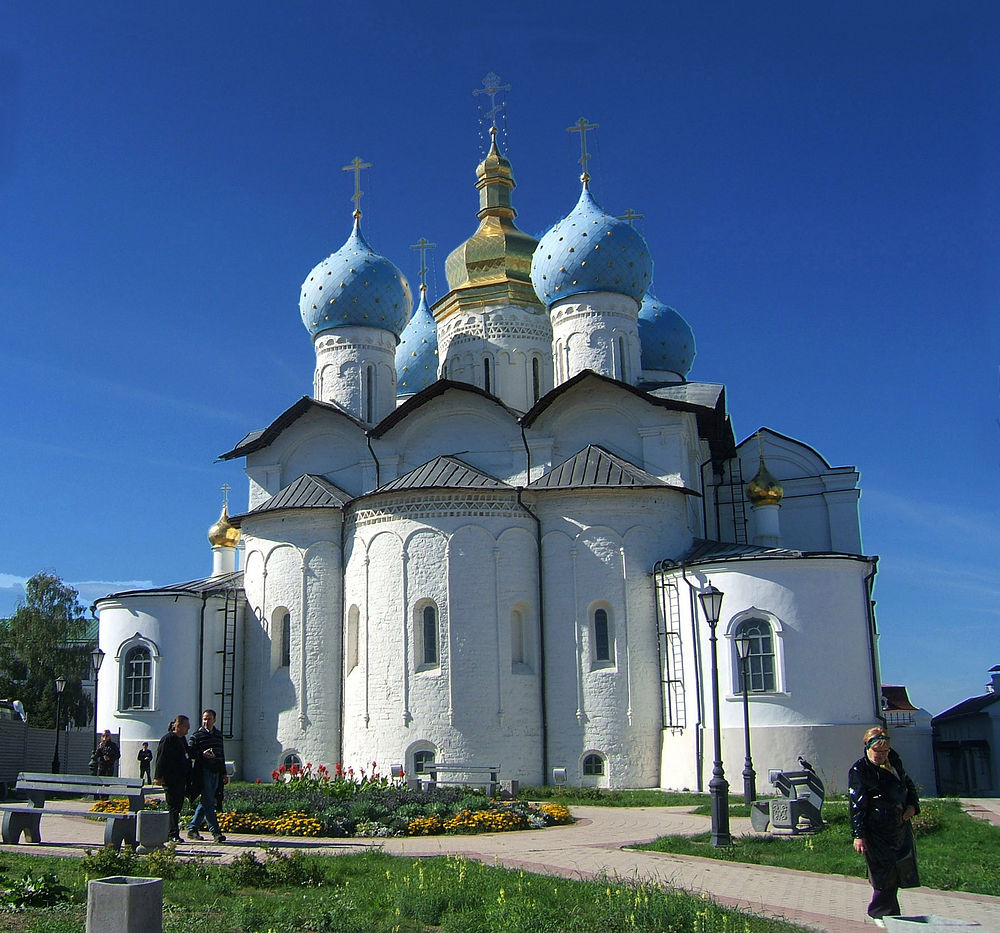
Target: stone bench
(486,776)
(39,788)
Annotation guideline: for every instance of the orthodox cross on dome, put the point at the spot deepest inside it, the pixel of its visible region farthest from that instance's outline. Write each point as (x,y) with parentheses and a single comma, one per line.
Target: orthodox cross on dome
(356,166)
(491,87)
(423,246)
(581,126)
(225,487)
(631,215)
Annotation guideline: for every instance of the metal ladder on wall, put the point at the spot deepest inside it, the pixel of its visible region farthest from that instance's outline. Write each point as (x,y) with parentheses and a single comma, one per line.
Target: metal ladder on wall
(227,694)
(672,677)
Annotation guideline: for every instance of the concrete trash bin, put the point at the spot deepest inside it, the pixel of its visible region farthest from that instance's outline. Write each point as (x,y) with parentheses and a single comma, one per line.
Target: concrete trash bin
(928,922)
(125,905)
(153,827)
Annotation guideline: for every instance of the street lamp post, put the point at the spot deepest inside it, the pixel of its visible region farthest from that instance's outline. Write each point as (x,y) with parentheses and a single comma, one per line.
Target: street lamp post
(743,643)
(96,660)
(711,605)
(60,686)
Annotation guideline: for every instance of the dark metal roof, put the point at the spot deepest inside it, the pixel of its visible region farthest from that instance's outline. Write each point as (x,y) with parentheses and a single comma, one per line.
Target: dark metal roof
(257,440)
(704,551)
(594,466)
(210,586)
(968,707)
(309,491)
(444,472)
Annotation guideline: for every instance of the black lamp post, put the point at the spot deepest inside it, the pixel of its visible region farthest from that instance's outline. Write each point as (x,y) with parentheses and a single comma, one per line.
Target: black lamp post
(96,659)
(60,686)
(711,605)
(743,643)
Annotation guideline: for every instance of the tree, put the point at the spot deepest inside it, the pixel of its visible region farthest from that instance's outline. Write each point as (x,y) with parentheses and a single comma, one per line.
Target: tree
(46,637)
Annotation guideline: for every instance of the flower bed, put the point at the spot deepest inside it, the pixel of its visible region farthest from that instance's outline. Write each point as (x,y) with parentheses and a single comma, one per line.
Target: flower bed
(307,801)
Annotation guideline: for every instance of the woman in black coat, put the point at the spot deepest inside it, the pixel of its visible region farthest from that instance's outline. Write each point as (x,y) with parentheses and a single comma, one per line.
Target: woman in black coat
(883,802)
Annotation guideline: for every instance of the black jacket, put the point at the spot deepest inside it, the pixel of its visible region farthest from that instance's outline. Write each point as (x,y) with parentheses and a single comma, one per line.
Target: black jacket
(173,767)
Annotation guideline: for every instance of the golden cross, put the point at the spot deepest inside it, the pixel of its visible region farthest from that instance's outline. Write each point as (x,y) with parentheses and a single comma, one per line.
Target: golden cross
(356,166)
(581,126)
(491,87)
(631,215)
(225,487)
(423,246)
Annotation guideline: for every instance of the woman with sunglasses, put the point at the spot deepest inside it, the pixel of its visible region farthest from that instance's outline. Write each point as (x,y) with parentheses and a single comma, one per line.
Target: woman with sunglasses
(883,802)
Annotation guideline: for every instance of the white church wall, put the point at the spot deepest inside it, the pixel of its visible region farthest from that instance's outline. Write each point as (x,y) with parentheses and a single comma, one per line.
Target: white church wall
(355,369)
(597,331)
(320,442)
(824,693)
(476,429)
(292,566)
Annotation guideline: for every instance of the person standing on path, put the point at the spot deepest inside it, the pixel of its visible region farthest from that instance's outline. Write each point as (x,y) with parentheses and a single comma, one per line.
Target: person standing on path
(108,754)
(883,802)
(144,758)
(209,757)
(173,770)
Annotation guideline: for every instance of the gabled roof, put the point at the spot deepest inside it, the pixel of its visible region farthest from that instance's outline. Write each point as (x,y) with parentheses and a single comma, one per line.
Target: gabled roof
(444,473)
(705,400)
(258,440)
(596,467)
(433,391)
(705,551)
(210,586)
(309,491)
(968,707)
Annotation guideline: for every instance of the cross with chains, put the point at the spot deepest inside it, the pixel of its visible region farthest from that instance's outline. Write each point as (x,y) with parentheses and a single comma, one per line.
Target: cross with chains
(356,166)
(581,126)
(423,246)
(491,87)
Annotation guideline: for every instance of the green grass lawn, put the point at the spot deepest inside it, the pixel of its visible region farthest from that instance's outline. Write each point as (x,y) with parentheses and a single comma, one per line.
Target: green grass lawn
(954,851)
(365,893)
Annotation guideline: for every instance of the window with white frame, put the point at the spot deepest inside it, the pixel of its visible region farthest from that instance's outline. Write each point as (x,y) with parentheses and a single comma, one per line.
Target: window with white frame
(593,765)
(426,635)
(759,663)
(136,668)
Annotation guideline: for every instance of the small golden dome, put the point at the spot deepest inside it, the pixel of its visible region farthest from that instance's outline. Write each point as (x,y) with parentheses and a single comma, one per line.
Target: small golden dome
(498,253)
(764,489)
(222,533)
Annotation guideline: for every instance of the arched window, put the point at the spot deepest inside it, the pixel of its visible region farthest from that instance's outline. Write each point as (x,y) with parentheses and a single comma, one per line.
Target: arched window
(352,638)
(517,637)
(621,359)
(602,635)
(760,658)
(137,678)
(593,766)
(286,640)
(487,382)
(536,379)
(291,759)
(422,761)
(425,639)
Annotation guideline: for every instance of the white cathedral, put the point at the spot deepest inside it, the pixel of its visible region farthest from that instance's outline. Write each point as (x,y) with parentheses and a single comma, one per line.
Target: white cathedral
(482,540)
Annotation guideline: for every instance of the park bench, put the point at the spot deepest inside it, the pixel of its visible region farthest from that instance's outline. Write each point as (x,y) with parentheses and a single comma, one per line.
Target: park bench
(472,775)
(39,787)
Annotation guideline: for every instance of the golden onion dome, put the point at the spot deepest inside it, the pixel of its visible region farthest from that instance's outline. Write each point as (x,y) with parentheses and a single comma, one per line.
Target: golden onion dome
(497,253)
(223,533)
(764,489)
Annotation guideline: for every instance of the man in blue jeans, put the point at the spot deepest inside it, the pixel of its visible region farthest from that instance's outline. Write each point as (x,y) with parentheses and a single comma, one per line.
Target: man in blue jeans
(209,757)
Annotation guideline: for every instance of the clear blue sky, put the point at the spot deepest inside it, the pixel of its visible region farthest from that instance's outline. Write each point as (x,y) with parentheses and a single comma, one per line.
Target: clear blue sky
(819,188)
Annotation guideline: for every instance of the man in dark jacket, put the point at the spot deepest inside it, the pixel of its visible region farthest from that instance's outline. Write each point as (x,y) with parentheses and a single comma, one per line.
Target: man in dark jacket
(172,771)
(209,757)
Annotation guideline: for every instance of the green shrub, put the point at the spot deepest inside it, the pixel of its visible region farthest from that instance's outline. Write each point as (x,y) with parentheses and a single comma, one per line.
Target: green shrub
(29,891)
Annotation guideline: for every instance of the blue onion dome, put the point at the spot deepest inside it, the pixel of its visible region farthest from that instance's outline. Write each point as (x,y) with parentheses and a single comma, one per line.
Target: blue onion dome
(590,251)
(417,353)
(665,338)
(355,287)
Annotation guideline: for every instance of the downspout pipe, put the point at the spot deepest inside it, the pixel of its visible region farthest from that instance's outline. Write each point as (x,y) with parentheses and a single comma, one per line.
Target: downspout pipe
(543,707)
(872,643)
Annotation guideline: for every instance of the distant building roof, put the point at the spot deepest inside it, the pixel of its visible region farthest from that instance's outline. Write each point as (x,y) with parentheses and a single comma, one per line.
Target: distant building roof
(704,551)
(444,473)
(307,492)
(968,707)
(210,586)
(895,700)
(593,467)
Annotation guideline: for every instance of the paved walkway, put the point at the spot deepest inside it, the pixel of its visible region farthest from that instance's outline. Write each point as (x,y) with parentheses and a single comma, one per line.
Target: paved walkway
(594,847)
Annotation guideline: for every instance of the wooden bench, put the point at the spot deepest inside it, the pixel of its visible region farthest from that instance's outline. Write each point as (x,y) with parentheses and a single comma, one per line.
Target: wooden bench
(486,776)
(38,787)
